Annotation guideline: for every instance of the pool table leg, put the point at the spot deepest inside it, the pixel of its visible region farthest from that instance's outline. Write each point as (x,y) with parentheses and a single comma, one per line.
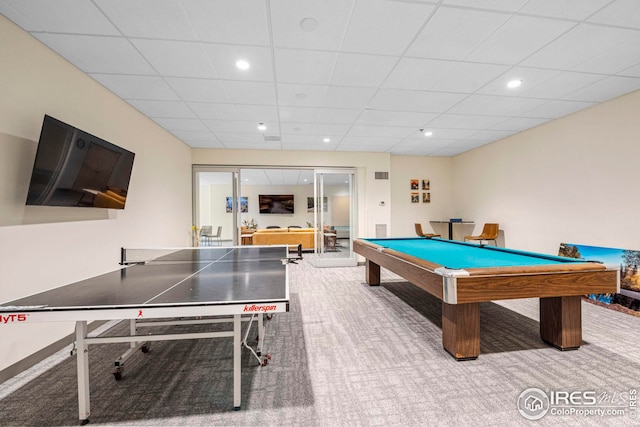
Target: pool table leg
(461,330)
(372,273)
(561,321)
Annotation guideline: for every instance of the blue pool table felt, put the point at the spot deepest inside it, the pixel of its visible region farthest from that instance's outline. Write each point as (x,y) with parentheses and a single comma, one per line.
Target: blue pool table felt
(460,255)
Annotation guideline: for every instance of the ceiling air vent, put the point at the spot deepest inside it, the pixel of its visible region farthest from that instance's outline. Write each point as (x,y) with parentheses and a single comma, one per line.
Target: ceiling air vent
(382,175)
(271,138)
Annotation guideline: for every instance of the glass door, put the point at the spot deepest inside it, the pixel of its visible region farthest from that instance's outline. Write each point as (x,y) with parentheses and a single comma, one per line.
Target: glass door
(334,217)
(217,207)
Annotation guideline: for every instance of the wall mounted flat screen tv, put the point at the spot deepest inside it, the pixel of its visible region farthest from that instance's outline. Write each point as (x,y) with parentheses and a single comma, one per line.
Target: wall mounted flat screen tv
(74,168)
(276,203)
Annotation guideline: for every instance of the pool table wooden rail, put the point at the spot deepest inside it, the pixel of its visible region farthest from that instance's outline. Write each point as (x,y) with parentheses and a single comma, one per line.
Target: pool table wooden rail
(559,287)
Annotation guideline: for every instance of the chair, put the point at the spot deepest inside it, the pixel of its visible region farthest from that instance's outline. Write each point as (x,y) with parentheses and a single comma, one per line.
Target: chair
(489,232)
(420,233)
(206,234)
(295,226)
(330,238)
(273,226)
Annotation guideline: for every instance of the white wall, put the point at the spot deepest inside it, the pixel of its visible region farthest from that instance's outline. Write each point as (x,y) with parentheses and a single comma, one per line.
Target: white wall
(44,247)
(572,180)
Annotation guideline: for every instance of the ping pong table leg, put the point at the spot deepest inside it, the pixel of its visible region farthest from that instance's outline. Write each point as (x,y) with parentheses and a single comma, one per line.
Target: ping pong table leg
(82,354)
(260,333)
(237,361)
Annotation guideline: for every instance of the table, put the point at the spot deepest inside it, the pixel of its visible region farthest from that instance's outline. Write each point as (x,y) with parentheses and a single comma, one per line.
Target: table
(450,224)
(186,286)
(462,275)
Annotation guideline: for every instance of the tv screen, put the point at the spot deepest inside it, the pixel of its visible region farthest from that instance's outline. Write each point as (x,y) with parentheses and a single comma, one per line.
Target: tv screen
(276,203)
(75,168)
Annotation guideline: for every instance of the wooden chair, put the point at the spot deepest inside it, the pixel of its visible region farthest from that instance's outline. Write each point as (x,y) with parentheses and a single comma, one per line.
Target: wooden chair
(420,233)
(489,232)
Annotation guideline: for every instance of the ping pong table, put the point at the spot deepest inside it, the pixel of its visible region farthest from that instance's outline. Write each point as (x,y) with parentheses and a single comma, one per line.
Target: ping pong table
(168,286)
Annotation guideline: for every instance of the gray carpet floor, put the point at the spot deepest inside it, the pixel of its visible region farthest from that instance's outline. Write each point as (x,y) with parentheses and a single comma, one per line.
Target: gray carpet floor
(345,355)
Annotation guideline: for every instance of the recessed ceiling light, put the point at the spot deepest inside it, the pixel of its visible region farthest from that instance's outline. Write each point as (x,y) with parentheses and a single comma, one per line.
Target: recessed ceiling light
(301,95)
(326,140)
(514,83)
(426,132)
(242,64)
(308,24)
(261,126)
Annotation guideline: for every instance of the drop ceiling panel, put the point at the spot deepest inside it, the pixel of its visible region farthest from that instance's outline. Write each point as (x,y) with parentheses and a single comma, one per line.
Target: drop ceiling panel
(176,58)
(173,124)
(577,46)
(223,58)
(558,108)
(348,69)
(518,38)
(381,131)
(307,67)
(496,105)
(255,113)
(468,77)
(258,93)
(201,90)
(175,109)
(332,17)
(410,100)
(235,22)
(418,74)
(560,84)
(160,19)
(394,118)
(97,54)
(137,87)
(384,27)
(564,9)
(622,13)
(63,16)
(348,97)
(298,95)
(453,33)
(502,5)
(605,89)
(466,121)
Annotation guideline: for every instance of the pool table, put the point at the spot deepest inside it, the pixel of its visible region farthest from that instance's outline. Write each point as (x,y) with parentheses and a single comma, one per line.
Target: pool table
(462,275)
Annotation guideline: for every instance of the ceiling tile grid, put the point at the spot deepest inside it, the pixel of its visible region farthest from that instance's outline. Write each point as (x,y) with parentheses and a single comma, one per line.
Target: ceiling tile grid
(346,75)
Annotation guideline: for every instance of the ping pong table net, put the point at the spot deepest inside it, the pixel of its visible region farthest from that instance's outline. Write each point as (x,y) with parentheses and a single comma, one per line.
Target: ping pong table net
(207,254)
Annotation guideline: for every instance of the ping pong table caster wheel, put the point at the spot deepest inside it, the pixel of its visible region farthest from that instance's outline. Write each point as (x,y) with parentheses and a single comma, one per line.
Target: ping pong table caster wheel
(145,348)
(117,373)
(266,359)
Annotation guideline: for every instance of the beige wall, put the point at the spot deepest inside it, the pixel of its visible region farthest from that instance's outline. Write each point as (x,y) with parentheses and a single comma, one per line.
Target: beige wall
(41,247)
(404,214)
(572,180)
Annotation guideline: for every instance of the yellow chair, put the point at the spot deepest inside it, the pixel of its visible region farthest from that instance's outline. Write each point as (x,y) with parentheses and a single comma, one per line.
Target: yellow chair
(489,232)
(420,233)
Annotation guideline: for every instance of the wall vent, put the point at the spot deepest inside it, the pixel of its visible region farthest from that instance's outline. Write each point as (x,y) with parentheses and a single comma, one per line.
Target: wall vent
(271,138)
(382,175)
(381,230)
